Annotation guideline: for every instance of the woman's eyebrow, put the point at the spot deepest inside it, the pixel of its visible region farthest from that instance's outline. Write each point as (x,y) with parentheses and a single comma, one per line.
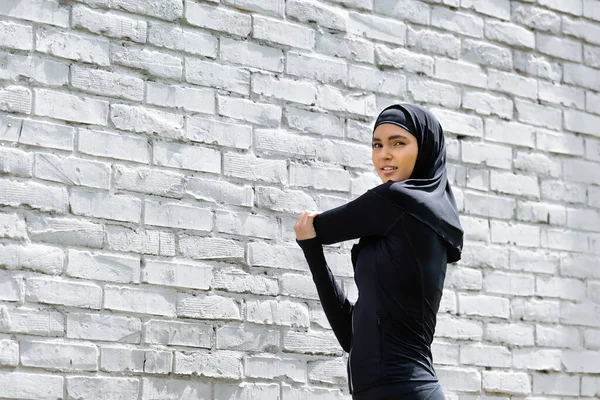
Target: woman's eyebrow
(391,138)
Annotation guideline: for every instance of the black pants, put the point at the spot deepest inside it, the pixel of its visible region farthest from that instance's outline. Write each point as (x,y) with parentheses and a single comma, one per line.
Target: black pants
(402,391)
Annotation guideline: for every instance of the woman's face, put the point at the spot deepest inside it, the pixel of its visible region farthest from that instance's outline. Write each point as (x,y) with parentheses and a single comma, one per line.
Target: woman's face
(394,147)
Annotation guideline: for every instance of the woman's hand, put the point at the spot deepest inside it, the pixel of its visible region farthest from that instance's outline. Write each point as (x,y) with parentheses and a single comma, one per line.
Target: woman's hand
(304,227)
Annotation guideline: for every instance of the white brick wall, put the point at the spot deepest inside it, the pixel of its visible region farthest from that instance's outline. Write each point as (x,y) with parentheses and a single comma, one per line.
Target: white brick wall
(155,154)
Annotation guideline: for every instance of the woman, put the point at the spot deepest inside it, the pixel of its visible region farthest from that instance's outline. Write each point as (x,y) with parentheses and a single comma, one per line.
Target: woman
(409,230)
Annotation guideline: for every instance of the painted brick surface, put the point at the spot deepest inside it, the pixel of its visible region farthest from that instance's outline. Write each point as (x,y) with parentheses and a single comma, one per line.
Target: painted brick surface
(155,154)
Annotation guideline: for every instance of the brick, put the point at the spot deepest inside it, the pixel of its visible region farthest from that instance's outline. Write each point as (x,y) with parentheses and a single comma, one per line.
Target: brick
(312,11)
(37,257)
(19,385)
(359,4)
(537,65)
(581,361)
(563,191)
(592,102)
(179,273)
(403,59)
(489,206)
(16,36)
(38,322)
(314,122)
(221,364)
(483,53)
(43,11)
(460,72)
(12,226)
(145,120)
(525,235)
(33,194)
(316,67)
(577,121)
(16,162)
(113,145)
(11,286)
(217,18)
(429,41)
(513,84)
(299,286)
(208,73)
(174,333)
(273,312)
(219,132)
(487,104)
(145,242)
(59,356)
(106,83)
(103,266)
(175,215)
(463,379)
(483,305)
(581,75)
(69,293)
(195,158)
(273,141)
(203,248)
(559,142)
(566,49)
(187,40)
(70,108)
(416,11)
(591,9)
(311,342)
(250,111)
(476,228)
(249,225)
(539,163)
(248,338)
(510,334)
(169,10)
(261,6)
(73,171)
(334,99)
(593,291)
(554,384)
(9,352)
(16,99)
(189,99)
(557,336)
(358,131)
(591,339)
(458,123)
(459,22)
(509,132)
(319,178)
(73,46)
(251,54)
(536,18)
(462,329)
(290,201)
(287,89)
(506,382)
(96,388)
(171,388)
(149,181)
(247,390)
(445,353)
(344,46)
(580,171)
(123,359)
(273,367)
(375,80)
(579,314)
(207,307)
(378,28)
(497,8)
(535,310)
(463,279)
(541,213)
(583,219)
(43,134)
(537,359)
(582,29)
(253,168)
(485,355)
(106,327)
(103,205)
(143,301)
(109,24)
(288,34)
(508,33)
(276,256)
(564,95)
(220,192)
(327,371)
(147,61)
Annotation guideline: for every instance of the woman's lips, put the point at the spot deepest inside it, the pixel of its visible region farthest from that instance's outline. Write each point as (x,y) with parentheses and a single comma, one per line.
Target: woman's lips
(389,171)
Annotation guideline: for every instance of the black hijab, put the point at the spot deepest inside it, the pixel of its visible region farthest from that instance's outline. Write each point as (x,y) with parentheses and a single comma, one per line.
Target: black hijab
(426,194)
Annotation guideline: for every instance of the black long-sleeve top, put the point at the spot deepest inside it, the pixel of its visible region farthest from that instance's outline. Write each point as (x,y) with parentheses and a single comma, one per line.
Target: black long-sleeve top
(399,269)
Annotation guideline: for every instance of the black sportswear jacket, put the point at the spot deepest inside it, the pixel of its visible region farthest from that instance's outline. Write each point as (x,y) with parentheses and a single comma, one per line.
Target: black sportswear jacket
(399,269)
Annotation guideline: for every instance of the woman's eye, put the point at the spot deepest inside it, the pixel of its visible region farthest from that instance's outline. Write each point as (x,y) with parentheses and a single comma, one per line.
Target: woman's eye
(398,143)
(376,145)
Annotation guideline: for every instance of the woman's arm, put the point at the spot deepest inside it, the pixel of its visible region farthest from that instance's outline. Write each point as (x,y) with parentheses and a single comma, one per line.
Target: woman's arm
(336,305)
(371,214)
